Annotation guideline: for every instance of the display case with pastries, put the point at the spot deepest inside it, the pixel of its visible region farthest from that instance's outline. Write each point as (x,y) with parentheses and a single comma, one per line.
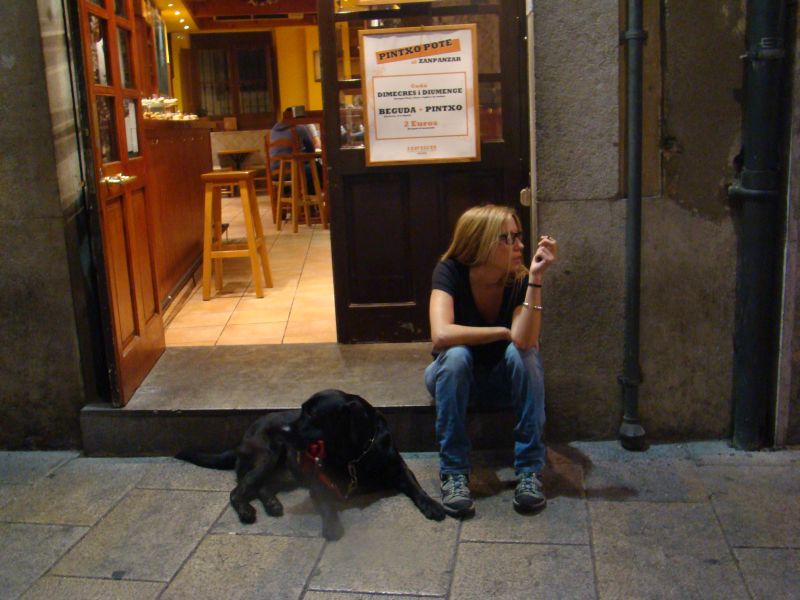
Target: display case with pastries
(164,109)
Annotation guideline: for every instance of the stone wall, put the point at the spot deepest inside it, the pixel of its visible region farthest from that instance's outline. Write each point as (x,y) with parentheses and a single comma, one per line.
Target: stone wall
(41,382)
(688,242)
(688,238)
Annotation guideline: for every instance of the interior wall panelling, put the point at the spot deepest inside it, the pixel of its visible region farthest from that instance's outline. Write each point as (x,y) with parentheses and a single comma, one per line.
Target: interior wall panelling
(178,154)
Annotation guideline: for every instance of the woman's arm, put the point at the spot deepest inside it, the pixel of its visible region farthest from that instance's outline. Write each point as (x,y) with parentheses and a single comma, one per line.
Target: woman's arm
(445,333)
(526,324)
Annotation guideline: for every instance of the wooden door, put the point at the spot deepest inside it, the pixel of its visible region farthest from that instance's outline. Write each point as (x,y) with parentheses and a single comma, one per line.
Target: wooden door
(115,119)
(389,225)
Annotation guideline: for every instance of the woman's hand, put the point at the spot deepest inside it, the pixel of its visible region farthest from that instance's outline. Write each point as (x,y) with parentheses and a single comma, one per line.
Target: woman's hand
(545,255)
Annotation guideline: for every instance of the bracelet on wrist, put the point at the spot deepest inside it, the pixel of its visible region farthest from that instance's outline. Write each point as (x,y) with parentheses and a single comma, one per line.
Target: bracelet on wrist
(531,306)
(536,285)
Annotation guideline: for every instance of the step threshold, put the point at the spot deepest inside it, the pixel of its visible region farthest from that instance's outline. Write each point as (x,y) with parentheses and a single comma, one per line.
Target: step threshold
(109,431)
(206,397)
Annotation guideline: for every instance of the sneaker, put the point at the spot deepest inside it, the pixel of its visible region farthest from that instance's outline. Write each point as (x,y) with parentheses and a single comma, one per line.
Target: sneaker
(455,496)
(529,496)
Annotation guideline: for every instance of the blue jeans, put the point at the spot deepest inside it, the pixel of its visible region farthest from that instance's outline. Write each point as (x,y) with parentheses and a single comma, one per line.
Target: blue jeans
(453,380)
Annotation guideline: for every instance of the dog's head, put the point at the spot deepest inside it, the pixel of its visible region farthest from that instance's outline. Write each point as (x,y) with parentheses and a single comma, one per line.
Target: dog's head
(345,422)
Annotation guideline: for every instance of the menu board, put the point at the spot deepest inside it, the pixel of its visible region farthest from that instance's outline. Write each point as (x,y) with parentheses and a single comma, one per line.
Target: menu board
(419,87)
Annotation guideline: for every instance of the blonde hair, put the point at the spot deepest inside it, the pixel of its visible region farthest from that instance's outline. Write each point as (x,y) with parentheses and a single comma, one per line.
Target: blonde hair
(477,234)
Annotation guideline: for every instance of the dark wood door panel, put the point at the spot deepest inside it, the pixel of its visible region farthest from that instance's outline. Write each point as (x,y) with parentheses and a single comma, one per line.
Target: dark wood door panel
(371,324)
(461,190)
(396,225)
(380,254)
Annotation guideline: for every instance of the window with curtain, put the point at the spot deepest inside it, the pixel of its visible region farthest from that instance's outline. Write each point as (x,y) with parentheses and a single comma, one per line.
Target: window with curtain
(235,77)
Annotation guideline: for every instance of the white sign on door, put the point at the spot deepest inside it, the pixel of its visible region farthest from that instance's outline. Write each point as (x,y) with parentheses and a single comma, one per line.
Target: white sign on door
(419,86)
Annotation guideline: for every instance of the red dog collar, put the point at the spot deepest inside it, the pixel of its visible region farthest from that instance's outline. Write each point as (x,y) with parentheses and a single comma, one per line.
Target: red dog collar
(311,462)
(313,457)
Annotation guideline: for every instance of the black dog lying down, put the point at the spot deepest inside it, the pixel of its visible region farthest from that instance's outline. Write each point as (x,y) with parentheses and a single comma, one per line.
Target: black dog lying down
(335,445)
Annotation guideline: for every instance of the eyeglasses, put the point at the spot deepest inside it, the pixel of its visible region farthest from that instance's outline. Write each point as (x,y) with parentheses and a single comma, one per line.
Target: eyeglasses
(510,238)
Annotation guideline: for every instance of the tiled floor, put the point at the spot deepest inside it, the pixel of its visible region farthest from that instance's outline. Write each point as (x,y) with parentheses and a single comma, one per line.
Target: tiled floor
(299,308)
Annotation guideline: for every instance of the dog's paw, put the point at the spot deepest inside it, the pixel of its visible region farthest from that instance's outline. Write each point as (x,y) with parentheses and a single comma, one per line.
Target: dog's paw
(433,510)
(332,531)
(273,507)
(247,514)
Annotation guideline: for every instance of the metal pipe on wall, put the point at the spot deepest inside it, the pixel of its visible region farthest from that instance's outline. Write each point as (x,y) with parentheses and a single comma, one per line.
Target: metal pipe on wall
(631,432)
(531,197)
(755,195)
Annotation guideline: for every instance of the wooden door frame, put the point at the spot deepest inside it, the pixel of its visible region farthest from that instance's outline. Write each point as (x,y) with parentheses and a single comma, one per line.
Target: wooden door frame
(116,386)
(105,364)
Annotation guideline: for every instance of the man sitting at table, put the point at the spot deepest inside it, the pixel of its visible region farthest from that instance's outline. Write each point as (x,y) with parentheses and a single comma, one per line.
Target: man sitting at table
(306,134)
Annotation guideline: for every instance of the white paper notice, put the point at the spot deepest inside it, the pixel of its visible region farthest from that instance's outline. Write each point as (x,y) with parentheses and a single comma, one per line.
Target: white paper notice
(419,88)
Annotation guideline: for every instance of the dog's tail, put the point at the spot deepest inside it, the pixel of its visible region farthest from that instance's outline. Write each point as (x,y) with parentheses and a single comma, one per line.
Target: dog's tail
(224,461)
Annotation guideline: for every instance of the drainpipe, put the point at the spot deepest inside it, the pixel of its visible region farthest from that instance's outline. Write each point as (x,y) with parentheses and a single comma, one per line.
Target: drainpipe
(755,192)
(631,432)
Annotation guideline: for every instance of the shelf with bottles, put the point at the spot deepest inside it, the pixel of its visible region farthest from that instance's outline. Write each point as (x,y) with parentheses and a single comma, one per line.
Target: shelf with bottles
(351,122)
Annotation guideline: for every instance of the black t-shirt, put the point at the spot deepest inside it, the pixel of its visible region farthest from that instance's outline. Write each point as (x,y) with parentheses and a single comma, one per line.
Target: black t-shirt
(452,277)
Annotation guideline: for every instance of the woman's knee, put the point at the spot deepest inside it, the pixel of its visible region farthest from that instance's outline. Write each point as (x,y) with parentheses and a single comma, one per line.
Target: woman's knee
(457,359)
(453,364)
(529,361)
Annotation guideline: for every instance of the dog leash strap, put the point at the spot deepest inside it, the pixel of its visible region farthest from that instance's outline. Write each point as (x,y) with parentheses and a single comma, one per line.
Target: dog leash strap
(351,487)
(312,459)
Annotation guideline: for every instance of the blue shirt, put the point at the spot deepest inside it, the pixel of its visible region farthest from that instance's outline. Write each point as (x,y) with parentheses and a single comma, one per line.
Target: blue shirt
(283,131)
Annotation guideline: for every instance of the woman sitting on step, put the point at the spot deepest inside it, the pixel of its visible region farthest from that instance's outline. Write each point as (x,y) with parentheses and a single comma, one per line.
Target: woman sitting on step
(486,316)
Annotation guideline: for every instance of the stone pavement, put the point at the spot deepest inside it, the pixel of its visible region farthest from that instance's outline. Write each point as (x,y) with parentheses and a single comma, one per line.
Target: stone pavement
(678,521)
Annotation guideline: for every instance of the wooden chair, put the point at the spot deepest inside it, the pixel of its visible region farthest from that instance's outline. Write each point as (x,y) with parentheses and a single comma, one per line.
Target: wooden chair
(213,246)
(260,176)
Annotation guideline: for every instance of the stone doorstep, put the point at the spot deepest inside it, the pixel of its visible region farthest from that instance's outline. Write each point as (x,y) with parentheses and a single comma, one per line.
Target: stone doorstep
(108,431)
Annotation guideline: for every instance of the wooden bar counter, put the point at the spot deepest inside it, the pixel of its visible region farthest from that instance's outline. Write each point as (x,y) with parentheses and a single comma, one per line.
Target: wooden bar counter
(178,152)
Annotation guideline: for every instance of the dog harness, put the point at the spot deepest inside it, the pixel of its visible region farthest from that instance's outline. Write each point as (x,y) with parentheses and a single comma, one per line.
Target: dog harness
(312,461)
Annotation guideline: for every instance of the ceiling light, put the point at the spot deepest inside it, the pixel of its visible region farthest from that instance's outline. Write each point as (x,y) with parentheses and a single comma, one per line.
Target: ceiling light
(186,27)
(177,12)
(170,5)
(181,20)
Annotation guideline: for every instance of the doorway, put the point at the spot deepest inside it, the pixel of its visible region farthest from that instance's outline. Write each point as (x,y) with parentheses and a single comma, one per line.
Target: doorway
(389,223)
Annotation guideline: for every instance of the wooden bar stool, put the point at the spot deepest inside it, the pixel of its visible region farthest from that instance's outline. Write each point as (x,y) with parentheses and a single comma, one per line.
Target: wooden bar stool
(227,191)
(293,168)
(282,190)
(213,247)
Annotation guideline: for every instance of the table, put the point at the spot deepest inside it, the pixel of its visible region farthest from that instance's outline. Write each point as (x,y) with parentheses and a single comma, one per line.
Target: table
(238,156)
